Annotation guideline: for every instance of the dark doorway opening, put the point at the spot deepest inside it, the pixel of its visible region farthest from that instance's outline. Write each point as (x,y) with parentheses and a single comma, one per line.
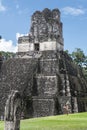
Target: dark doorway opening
(36,47)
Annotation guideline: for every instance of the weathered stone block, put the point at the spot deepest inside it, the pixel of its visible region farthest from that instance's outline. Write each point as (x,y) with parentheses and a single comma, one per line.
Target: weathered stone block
(43,107)
(13,111)
(47,85)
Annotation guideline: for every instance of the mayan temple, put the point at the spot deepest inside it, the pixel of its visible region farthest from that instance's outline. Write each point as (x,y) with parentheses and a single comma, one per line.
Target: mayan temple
(42,72)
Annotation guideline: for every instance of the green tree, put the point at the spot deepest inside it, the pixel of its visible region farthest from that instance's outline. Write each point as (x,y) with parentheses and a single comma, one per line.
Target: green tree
(7,55)
(79,57)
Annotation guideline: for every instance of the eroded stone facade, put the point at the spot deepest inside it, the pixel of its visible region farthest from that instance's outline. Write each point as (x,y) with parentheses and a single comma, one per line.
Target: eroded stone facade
(13,111)
(45,32)
(46,78)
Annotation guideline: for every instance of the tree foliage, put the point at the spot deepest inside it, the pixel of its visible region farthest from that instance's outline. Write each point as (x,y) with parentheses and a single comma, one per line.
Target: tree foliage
(79,57)
(6,55)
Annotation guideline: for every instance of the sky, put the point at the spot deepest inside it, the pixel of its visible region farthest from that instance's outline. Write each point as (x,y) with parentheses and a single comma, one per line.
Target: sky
(15,20)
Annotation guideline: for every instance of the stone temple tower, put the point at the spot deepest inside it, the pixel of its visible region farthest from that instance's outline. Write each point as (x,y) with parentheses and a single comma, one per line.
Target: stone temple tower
(45,32)
(57,81)
(42,72)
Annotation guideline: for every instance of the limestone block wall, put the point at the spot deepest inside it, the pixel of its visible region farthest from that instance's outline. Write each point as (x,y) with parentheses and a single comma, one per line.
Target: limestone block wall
(59,47)
(47,86)
(16,74)
(43,107)
(24,47)
(43,46)
(48,63)
(49,45)
(49,66)
(66,64)
(51,79)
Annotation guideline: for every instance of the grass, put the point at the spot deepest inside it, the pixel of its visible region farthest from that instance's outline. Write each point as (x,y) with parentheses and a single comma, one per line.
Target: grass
(63,122)
(1,125)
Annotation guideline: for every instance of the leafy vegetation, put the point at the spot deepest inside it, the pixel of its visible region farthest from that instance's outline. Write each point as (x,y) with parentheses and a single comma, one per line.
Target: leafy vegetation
(6,55)
(62,122)
(80,59)
(1,125)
